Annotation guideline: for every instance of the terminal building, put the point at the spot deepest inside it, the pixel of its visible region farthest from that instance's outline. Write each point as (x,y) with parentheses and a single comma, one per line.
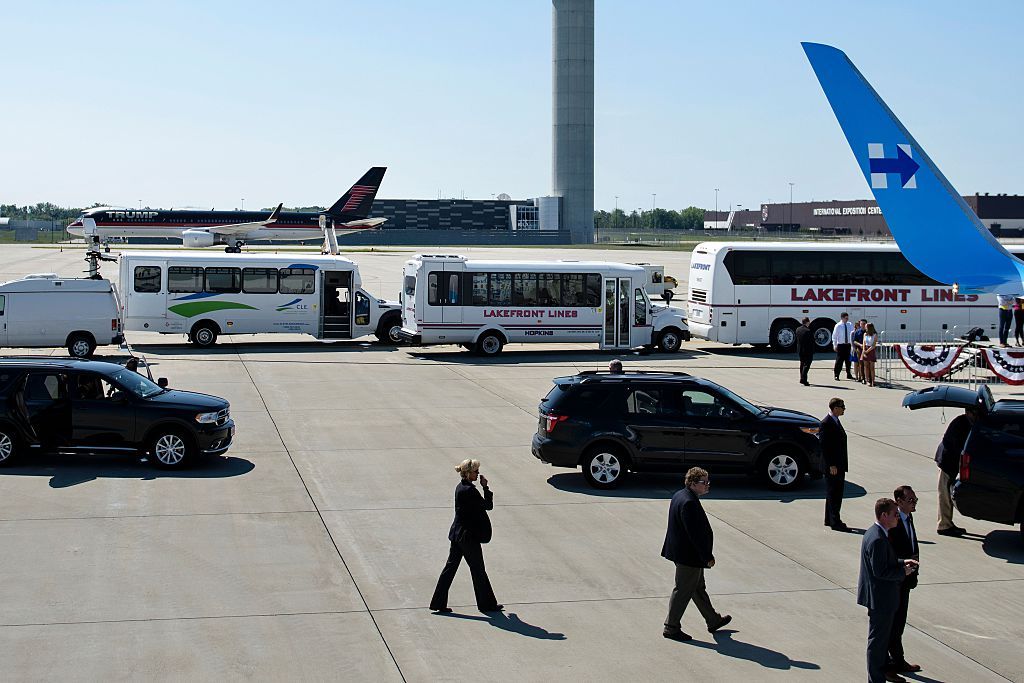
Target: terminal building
(1002,214)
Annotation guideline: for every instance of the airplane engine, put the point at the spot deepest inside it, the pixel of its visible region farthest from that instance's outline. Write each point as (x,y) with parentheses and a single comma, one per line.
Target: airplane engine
(197,238)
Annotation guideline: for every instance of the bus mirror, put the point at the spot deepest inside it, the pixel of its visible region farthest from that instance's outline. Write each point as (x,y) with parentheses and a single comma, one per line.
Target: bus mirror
(162,382)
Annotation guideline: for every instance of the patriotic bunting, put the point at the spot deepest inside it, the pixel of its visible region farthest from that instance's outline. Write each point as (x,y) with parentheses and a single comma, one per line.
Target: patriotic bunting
(931,360)
(1008,365)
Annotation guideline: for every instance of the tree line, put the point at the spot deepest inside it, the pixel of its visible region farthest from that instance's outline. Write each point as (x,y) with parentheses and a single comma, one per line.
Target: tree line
(43,211)
(690,218)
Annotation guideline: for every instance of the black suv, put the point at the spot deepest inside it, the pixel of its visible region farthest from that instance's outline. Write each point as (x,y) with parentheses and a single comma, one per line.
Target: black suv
(990,485)
(81,406)
(609,424)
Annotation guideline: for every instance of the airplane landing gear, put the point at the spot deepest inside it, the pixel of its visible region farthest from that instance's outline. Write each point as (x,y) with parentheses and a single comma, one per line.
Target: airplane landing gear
(237,249)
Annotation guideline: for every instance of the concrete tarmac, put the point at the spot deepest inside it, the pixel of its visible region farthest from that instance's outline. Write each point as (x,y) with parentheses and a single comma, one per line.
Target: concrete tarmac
(309,552)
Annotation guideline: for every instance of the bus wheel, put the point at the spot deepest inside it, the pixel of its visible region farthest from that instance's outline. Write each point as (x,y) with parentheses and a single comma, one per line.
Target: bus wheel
(489,344)
(387,331)
(204,334)
(821,332)
(670,340)
(783,335)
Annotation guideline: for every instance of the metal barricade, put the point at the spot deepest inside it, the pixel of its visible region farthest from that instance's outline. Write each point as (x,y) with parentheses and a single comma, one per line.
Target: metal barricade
(970,368)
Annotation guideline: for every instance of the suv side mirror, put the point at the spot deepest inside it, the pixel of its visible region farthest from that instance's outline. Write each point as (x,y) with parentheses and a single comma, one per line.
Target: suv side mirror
(162,382)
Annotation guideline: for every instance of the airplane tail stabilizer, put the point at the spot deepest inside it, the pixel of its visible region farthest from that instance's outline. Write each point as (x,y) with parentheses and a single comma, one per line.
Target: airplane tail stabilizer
(357,202)
(934,227)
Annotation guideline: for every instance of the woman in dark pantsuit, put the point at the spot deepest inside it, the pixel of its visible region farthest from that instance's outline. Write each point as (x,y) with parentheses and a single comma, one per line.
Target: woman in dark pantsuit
(470,529)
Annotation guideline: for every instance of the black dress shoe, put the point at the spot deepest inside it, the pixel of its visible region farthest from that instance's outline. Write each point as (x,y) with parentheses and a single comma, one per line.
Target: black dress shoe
(677,635)
(724,622)
(840,527)
(441,610)
(495,608)
(849,376)
(952,531)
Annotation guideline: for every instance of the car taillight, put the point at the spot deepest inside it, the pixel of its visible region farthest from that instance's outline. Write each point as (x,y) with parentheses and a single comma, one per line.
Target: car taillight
(113,324)
(552,420)
(965,467)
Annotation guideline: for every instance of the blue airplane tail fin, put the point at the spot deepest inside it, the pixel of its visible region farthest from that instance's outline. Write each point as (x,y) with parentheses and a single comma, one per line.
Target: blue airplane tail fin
(935,228)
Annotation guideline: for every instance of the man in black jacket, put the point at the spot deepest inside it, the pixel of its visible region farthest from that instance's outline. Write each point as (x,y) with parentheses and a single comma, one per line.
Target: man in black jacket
(947,457)
(878,587)
(688,543)
(833,451)
(903,538)
(805,349)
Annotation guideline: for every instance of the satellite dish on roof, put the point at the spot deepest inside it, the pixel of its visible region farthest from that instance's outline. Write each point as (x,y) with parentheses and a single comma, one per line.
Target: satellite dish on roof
(504,197)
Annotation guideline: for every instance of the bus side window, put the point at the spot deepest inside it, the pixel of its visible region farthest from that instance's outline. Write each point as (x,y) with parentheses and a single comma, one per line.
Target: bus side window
(452,297)
(297,281)
(147,279)
(499,291)
(525,290)
(572,290)
(3,300)
(184,279)
(592,290)
(477,283)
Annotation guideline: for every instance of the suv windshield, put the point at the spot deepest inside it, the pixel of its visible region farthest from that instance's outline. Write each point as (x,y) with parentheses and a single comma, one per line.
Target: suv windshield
(135,383)
(742,402)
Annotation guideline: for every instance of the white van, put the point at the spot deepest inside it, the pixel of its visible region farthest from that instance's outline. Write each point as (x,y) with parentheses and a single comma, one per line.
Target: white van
(45,310)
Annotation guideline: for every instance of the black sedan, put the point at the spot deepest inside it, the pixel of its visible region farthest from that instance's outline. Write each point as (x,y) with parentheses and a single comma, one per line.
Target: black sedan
(990,485)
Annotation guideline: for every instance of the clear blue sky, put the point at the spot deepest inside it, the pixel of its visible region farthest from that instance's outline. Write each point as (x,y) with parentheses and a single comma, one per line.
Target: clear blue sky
(203,103)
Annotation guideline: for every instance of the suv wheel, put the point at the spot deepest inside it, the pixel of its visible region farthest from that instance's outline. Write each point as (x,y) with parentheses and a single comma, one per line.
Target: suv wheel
(8,445)
(170,449)
(604,467)
(670,340)
(81,345)
(782,470)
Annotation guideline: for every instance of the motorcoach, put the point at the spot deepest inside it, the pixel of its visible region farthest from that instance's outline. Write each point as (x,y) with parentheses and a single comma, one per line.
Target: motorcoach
(757,292)
(484,305)
(207,295)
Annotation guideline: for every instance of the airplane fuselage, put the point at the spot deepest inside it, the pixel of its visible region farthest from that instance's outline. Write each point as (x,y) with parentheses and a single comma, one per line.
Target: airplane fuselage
(172,223)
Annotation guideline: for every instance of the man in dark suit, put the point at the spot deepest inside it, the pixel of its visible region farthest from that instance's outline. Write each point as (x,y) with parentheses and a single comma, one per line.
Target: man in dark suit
(833,451)
(903,538)
(689,542)
(878,587)
(805,349)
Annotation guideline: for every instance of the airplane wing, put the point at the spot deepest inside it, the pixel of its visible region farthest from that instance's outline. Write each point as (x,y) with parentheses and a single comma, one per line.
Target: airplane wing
(934,227)
(241,228)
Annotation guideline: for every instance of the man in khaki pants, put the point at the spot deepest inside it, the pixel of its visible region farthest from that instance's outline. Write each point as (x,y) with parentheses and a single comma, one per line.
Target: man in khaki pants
(947,457)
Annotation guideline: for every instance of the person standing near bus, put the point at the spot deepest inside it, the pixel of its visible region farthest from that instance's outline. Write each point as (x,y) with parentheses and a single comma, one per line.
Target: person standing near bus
(1005,303)
(869,354)
(859,328)
(842,343)
(805,349)
(1018,320)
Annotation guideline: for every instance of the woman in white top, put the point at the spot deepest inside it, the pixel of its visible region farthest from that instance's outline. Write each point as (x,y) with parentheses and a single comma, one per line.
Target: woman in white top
(869,353)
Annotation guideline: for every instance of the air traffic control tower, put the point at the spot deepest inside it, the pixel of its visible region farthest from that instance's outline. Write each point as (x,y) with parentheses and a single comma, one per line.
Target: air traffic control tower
(572,86)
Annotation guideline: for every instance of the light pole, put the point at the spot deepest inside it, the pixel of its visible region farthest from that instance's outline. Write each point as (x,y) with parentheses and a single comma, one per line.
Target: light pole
(716,207)
(616,214)
(791,206)
(140,203)
(243,203)
(654,204)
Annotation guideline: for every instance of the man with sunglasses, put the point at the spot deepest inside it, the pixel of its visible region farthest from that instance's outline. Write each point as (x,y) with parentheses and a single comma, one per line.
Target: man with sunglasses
(903,538)
(689,542)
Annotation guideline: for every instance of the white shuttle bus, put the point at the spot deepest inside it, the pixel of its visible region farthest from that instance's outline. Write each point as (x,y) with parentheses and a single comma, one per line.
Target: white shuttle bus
(484,305)
(757,292)
(207,295)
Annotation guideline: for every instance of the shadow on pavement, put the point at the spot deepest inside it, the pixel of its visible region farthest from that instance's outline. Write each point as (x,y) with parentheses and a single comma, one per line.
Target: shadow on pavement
(724,487)
(597,357)
(725,645)
(512,623)
(1005,545)
(68,470)
(236,347)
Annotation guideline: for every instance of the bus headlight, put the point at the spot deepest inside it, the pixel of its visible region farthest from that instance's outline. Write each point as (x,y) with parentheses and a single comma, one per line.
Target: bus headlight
(207,418)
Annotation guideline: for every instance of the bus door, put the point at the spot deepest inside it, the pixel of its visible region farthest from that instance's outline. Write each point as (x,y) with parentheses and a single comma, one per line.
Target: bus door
(336,304)
(618,293)
(143,295)
(642,319)
(444,295)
